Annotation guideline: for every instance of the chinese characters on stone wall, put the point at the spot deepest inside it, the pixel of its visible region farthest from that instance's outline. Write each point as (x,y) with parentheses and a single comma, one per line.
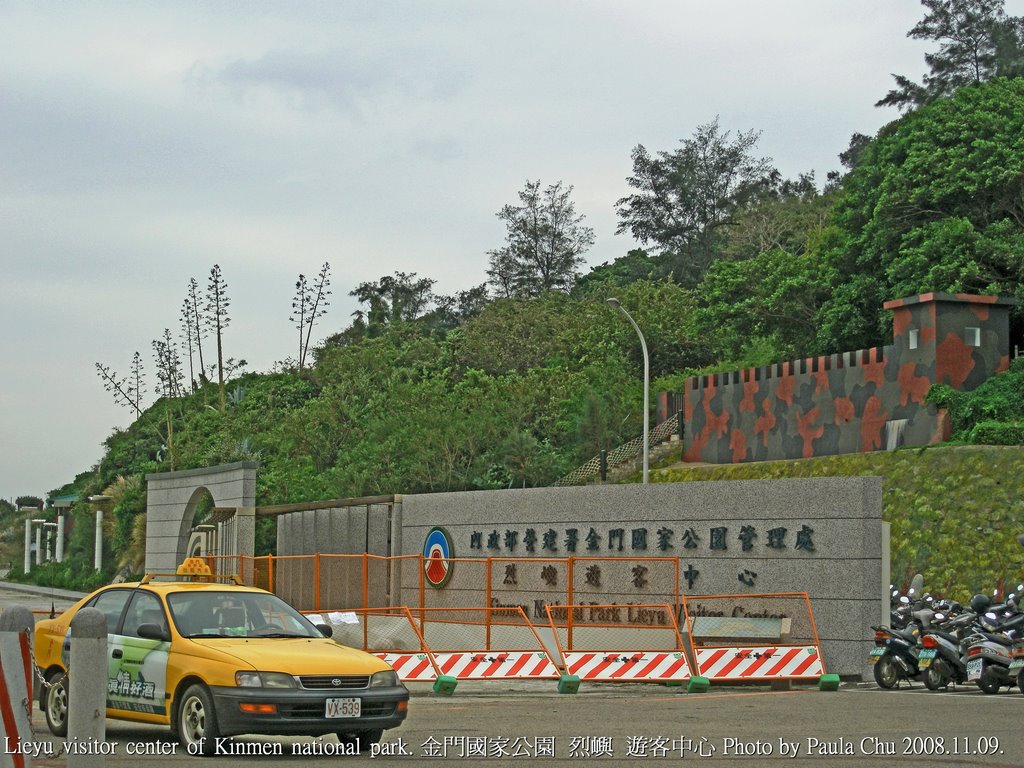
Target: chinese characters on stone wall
(641,541)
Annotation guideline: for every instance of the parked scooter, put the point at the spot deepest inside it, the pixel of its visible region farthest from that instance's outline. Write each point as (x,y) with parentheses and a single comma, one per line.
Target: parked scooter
(895,655)
(989,647)
(940,658)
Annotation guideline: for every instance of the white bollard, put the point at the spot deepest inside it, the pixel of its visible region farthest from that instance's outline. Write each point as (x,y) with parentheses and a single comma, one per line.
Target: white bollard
(87,687)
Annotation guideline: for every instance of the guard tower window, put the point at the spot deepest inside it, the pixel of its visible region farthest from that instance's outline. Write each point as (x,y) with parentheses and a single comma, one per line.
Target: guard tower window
(972,337)
(912,338)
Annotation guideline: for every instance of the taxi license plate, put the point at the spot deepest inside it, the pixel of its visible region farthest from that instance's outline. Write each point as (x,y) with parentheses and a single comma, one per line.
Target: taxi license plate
(875,653)
(344,708)
(974,669)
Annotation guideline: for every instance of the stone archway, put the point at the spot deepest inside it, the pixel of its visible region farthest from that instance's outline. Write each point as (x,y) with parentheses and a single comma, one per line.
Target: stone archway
(171,503)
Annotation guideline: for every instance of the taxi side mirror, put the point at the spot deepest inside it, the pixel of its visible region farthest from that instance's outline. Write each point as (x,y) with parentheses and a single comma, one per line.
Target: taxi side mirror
(152,632)
(325,629)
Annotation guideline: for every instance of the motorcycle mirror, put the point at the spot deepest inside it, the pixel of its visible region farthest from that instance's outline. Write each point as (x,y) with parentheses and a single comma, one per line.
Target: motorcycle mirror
(905,600)
(929,599)
(910,591)
(991,616)
(940,617)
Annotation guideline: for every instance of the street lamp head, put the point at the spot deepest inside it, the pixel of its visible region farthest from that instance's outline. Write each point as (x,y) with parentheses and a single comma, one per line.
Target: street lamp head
(613,302)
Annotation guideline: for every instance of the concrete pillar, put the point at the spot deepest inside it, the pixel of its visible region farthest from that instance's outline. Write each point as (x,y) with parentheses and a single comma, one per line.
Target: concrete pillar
(39,545)
(60,537)
(245,531)
(88,690)
(17,618)
(20,690)
(99,538)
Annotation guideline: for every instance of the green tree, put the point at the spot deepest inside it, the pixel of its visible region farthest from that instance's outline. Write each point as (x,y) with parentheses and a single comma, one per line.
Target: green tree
(545,241)
(936,203)
(977,40)
(308,306)
(126,390)
(684,200)
(217,319)
(637,264)
(192,320)
(394,299)
(767,295)
(169,386)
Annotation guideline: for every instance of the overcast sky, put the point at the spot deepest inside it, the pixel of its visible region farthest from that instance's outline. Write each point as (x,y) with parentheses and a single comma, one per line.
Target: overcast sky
(141,143)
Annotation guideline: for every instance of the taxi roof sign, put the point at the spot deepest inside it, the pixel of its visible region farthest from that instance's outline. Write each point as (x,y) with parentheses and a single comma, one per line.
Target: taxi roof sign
(193,566)
(195,569)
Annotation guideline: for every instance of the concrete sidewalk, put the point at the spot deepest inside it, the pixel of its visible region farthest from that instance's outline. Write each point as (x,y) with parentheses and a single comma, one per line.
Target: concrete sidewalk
(35,589)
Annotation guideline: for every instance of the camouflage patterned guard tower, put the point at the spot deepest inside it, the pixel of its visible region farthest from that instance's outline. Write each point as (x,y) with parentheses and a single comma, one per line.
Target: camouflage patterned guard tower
(867,400)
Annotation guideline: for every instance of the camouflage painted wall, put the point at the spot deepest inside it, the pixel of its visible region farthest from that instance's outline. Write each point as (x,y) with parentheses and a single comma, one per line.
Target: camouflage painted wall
(850,402)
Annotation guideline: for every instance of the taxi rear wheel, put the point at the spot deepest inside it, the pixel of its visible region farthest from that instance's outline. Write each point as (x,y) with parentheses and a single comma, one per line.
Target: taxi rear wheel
(57,704)
(365,739)
(197,721)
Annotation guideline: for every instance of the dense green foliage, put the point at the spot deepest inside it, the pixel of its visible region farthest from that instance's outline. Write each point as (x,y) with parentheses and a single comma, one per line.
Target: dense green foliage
(955,511)
(935,203)
(992,414)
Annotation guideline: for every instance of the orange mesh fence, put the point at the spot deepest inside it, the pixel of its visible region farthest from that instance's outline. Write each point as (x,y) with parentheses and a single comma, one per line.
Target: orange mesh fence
(485,643)
(263,573)
(754,637)
(462,581)
(618,643)
(359,581)
(295,580)
(341,579)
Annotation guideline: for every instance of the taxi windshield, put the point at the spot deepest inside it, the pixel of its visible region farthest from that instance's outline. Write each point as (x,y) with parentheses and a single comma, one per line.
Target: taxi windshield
(236,614)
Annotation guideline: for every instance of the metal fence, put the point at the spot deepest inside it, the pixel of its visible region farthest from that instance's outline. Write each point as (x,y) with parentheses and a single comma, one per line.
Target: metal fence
(625,453)
(347,582)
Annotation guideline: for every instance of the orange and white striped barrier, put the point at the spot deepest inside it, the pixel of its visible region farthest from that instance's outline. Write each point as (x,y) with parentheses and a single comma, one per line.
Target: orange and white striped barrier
(15,696)
(411,667)
(497,665)
(761,663)
(611,666)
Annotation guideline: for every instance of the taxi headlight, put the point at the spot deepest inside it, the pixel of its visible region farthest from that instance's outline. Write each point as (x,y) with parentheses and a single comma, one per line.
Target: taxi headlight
(386,679)
(264,680)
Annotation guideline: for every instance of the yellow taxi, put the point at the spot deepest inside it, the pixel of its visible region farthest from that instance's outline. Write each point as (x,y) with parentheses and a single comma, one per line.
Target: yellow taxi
(212,660)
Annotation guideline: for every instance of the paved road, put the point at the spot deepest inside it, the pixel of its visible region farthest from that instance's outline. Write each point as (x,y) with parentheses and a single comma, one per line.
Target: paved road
(653,724)
(632,723)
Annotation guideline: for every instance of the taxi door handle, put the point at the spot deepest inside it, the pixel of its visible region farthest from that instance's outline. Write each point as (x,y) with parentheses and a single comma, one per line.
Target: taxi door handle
(117,653)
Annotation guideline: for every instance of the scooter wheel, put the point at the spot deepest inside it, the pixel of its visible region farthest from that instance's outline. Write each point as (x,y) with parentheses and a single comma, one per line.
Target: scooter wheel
(935,677)
(887,672)
(989,682)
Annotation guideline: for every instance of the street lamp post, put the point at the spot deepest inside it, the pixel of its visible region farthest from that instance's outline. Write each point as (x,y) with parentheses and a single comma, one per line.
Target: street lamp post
(647,377)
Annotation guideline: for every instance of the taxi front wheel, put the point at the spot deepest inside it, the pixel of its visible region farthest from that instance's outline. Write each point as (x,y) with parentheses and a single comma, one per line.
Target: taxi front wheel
(57,703)
(365,739)
(197,721)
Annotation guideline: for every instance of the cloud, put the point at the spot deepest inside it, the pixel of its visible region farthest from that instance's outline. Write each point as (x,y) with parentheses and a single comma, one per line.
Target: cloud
(351,81)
